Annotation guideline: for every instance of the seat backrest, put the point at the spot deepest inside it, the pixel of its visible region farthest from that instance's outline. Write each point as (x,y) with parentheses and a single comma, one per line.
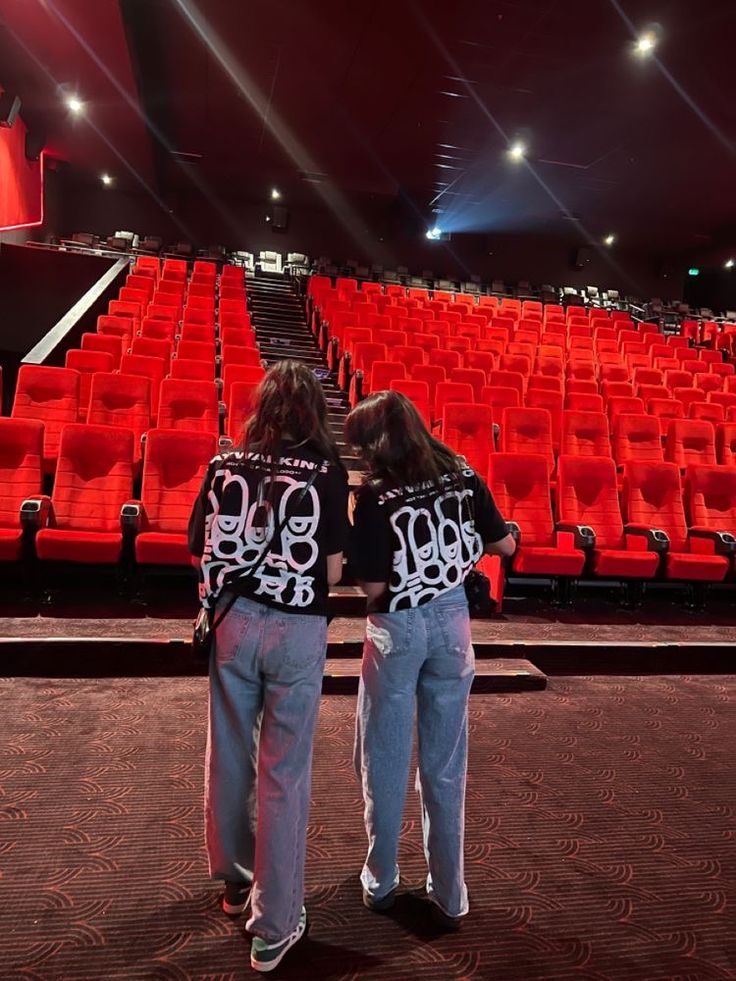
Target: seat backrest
(202,333)
(587,494)
(195,315)
(471,376)
(382,373)
(507,379)
(519,483)
(585,432)
(583,402)
(364,354)
(191,368)
(117,326)
(163,330)
(152,347)
(232,373)
(50,395)
(726,444)
(21,459)
(449,391)
(110,343)
(690,441)
(467,428)
(636,437)
(239,336)
(87,363)
(445,359)
(711,411)
(623,403)
(197,350)
(710,497)
(94,476)
(172,476)
(121,401)
(152,368)
(187,404)
(418,392)
(526,430)
(237,354)
(581,386)
(240,408)
(653,498)
(407,355)
(239,320)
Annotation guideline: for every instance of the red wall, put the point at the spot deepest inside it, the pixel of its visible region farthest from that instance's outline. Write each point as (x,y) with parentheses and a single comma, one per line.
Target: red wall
(21,181)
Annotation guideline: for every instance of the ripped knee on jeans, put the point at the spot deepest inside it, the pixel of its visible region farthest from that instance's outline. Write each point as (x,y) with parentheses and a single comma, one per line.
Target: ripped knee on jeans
(380,638)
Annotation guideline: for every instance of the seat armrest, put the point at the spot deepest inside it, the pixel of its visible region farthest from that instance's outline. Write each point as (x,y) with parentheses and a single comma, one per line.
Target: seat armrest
(132,518)
(584,536)
(716,542)
(514,530)
(224,443)
(35,513)
(656,540)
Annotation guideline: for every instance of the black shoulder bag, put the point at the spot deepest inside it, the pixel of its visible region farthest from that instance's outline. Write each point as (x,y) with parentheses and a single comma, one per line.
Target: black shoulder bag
(477,584)
(206,624)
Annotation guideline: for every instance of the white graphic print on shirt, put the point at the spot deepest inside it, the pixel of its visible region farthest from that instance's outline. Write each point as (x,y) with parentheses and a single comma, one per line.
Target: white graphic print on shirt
(436,544)
(236,539)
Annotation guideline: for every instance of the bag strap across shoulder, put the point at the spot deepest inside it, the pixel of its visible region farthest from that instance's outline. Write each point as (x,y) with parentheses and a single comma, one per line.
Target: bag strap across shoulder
(259,561)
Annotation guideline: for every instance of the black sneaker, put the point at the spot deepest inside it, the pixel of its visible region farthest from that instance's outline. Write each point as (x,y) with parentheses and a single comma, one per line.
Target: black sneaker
(444,920)
(236,898)
(379,905)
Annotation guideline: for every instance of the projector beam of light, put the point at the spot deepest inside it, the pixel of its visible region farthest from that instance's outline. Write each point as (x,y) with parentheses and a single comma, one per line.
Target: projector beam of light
(277,127)
(590,238)
(685,96)
(103,137)
(196,179)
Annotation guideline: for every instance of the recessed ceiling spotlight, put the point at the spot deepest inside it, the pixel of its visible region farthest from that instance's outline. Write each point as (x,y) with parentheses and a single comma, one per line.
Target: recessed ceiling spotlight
(646,44)
(517,151)
(275,194)
(106,180)
(609,239)
(434,234)
(74,104)
(268,217)
(730,263)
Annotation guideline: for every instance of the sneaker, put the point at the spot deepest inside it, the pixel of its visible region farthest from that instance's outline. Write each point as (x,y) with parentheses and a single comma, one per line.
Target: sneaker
(379,905)
(266,957)
(236,898)
(444,920)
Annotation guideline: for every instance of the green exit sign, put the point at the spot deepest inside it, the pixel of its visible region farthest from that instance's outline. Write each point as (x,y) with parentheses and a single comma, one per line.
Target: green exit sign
(693,271)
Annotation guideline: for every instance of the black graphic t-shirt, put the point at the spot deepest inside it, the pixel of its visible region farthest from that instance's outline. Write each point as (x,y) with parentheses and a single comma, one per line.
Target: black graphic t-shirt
(236,515)
(421,540)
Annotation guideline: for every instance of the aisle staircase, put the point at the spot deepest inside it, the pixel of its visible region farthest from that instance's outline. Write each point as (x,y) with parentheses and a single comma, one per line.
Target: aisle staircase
(282,331)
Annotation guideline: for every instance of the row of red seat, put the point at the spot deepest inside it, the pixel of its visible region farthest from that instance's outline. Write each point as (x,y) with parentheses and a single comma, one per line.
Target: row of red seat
(91,508)
(469,430)
(653,529)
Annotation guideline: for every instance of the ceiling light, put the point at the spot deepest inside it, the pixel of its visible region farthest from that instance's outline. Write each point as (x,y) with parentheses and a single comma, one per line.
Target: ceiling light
(275,194)
(74,104)
(730,263)
(434,234)
(517,151)
(106,180)
(646,44)
(609,239)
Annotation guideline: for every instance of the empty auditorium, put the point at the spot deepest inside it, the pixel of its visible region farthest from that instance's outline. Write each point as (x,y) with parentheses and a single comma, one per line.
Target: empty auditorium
(367,490)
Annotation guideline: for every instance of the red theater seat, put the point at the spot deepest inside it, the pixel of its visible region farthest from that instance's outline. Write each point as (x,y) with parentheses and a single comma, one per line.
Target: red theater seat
(172,475)
(418,392)
(200,333)
(636,437)
(585,433)
(115,326)
(726,444)
(690,441)
(520,486)
(242,404)
(197,351)
(109,343)
(470,376)
(232,373)
(710,495)
(94,479)
(190,405)
(50,395)
(467,428)
(552,402)
(575,402)
(154,369)
(239,355)
(587,497)
(191,368)
(152,347)
(121,401)
(448,391)
(21,459)
(665,410)
(87,363)
(653,500)
(527,431)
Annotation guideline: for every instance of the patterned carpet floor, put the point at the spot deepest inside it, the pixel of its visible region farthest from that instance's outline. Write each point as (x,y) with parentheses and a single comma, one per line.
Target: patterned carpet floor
(601,840)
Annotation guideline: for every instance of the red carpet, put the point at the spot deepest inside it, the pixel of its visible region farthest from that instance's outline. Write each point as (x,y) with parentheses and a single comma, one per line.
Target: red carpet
(601,827)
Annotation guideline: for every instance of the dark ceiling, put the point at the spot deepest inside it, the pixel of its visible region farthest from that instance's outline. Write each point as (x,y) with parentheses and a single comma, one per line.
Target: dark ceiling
(331,99)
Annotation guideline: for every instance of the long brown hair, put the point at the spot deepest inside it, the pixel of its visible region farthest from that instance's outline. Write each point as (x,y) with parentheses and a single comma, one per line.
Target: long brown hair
(289,409)
(395,443)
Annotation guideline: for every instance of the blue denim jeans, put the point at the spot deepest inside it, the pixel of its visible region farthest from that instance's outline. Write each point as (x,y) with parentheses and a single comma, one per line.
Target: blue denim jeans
(265,685)
(419,659)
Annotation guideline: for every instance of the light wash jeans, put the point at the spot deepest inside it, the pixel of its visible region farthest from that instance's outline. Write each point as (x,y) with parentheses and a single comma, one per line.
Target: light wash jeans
(424,658)
(265,685)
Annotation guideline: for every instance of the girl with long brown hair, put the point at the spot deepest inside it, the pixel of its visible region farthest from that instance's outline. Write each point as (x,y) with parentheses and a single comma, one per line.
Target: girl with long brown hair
(269,528)
(422,520)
